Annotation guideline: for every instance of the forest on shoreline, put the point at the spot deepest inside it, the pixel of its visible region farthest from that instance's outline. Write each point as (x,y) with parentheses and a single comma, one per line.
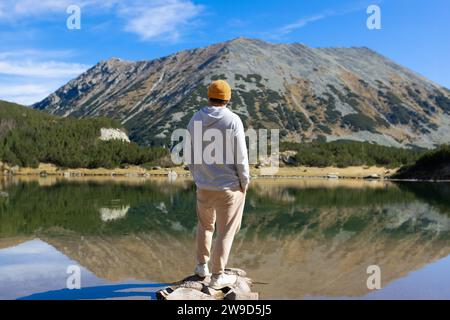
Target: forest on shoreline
(30,137)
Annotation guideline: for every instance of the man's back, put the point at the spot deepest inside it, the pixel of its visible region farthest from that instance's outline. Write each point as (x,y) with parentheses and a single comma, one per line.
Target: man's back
(219,164)
(218,151)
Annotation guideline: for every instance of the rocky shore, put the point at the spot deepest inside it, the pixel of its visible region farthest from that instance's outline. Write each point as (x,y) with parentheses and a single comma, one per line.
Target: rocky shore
(196,288)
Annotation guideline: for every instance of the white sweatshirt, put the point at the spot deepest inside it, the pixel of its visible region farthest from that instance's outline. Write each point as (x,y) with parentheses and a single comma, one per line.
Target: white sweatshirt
(227,170)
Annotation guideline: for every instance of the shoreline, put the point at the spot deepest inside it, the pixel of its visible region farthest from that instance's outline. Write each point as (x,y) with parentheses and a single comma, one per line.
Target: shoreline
(332,173)
(327,173)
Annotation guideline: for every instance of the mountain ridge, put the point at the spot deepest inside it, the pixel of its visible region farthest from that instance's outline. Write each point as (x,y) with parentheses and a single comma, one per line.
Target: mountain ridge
(308,93)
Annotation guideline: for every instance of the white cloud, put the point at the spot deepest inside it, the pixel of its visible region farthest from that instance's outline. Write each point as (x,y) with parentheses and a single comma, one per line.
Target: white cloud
(17,9)
(149,19)
(26,94)
(22,89)
(13,9)
(303,22)
(163,19)
(28,76)
(31,80)
(46,69)
(39,54)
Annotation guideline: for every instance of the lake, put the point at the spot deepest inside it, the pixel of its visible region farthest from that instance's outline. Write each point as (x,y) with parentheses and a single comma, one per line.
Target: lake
(300,239)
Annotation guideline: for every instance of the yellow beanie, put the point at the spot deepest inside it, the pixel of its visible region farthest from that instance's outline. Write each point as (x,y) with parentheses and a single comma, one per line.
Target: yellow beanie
(219,89)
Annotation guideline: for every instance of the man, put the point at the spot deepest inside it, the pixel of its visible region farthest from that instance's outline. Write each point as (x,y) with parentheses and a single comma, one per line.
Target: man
(221,184)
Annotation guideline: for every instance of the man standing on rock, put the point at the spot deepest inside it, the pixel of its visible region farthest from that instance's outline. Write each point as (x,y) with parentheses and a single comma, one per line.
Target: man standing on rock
(222,180)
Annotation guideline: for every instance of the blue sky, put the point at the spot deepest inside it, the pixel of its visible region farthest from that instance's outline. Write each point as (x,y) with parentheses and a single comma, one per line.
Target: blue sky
(38,53)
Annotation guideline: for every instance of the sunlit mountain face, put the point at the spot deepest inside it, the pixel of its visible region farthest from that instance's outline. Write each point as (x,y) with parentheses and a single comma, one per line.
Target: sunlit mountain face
(306,93)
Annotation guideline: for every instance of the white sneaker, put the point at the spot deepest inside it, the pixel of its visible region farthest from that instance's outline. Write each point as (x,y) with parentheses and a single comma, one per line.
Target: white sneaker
(222,280)
(202,270)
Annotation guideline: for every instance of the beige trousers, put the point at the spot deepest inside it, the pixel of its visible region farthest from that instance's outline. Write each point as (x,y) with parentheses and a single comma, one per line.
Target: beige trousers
(223,209)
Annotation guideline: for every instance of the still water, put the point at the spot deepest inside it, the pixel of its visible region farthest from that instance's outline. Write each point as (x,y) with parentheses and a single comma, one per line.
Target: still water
(301,239)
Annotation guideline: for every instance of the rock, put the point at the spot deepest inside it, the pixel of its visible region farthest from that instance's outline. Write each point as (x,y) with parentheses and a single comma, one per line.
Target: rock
(289,160)
(193,285)
(107,134)
(194,278)
(373,176)
(216,294)
(164,293)
(188,294)
(238,295)
(236,272)
(156,168)
(113,214)
(243,285)
(197,288)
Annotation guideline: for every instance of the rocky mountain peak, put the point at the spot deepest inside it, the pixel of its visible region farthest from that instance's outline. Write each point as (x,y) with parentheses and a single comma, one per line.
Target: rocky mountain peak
(307,93)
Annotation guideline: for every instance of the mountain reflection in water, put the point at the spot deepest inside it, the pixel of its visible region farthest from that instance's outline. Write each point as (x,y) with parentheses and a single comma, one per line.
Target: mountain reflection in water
(303,238)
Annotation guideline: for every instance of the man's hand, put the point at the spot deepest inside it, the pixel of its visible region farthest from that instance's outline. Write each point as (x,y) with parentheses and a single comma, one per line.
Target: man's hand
(244,188)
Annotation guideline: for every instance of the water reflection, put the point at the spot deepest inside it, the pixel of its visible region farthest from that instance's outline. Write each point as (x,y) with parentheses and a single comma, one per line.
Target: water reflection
(34,265)
(304,238)
(111,214)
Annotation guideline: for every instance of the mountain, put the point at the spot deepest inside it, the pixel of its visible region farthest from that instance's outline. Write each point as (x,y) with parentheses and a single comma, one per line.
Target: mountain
(308,93)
